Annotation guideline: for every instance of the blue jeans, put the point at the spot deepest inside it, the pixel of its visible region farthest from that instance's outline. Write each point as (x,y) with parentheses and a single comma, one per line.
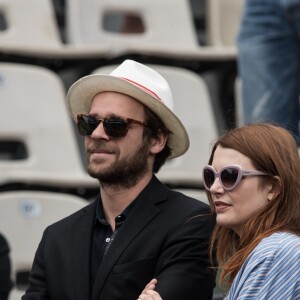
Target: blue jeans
(269,62)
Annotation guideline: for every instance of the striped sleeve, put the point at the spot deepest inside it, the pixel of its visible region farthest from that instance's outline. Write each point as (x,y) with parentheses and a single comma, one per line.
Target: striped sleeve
(272,271)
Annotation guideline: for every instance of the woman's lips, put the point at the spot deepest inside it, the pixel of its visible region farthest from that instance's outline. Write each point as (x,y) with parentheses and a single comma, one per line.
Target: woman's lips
(220,206)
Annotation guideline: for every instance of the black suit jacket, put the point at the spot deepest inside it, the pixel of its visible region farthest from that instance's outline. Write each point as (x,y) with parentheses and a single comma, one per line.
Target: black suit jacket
(165,236)
(5,269)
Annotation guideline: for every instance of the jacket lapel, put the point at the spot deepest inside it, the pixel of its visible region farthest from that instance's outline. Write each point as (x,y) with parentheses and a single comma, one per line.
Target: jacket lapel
(143,211)
(81,251)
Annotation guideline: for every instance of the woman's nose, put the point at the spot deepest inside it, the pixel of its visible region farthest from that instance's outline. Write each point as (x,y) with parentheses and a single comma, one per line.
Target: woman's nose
(216,186)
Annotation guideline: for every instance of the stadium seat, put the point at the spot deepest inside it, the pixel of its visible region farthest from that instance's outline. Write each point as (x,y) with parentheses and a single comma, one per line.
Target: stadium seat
(30,29)
(30,26)
(15,294)
(223,21)
(23,217)
(106,23)
(85,23)
(37,140)
(193,106)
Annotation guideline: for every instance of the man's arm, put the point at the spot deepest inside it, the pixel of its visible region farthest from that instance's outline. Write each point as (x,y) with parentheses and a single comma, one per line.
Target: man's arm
(183,270)
(38,289)
(5,269)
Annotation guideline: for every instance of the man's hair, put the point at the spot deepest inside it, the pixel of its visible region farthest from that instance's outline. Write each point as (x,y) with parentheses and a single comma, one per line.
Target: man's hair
(156,126)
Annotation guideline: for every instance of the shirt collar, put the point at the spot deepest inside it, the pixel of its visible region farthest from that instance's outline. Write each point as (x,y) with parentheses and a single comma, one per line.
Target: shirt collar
(100,216)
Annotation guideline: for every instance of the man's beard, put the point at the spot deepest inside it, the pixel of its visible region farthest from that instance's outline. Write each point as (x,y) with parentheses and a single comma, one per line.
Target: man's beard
(123,173)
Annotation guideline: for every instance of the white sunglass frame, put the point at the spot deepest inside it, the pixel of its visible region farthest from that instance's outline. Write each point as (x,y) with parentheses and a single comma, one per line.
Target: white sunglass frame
(241,174)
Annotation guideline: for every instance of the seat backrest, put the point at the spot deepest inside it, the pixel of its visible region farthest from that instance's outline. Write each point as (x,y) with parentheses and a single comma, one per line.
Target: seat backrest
(37,139)
(24,215)
(29,25)
(15,294)
(223,21)
(152,30)
(193,106)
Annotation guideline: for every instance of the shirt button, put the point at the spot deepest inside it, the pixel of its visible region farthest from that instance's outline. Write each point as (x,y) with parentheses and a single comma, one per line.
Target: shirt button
(107,240)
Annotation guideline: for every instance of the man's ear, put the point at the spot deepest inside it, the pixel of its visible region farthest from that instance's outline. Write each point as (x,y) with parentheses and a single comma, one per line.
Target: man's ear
(158,142)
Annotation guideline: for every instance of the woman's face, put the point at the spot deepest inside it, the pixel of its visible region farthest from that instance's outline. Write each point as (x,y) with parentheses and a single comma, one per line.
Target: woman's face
(235,207)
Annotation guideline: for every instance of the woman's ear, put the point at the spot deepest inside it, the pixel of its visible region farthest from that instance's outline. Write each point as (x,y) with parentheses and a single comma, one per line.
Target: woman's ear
(158,142)
(275,188)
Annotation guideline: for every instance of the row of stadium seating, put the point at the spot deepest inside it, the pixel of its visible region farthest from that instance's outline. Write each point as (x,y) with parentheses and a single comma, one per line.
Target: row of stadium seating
(110,28)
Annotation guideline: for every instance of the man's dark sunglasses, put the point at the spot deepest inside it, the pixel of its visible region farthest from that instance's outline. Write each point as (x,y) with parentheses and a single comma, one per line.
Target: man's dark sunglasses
(114,127)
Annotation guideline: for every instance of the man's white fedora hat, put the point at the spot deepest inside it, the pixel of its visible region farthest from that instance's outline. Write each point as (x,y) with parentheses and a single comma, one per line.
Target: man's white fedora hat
(144,85)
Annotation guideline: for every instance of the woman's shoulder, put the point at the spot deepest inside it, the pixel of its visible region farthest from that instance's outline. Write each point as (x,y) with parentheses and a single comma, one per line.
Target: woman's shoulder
(281,240)
(277,245)
(279,251)
(263,274)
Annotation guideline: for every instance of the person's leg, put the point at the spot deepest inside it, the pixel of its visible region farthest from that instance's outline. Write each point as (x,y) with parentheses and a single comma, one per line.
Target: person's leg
(269,62)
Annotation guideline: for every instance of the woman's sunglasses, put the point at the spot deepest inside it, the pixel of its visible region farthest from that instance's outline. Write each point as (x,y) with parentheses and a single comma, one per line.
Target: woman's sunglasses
(114,127)
(229,176)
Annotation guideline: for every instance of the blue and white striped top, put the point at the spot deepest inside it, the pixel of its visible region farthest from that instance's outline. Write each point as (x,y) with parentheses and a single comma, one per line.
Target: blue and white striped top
(271,272)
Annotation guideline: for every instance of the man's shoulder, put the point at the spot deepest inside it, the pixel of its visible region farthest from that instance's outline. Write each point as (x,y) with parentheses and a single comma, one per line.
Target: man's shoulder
(175,197)
(185,205)
(182,196)
(76,216)
(3,244)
